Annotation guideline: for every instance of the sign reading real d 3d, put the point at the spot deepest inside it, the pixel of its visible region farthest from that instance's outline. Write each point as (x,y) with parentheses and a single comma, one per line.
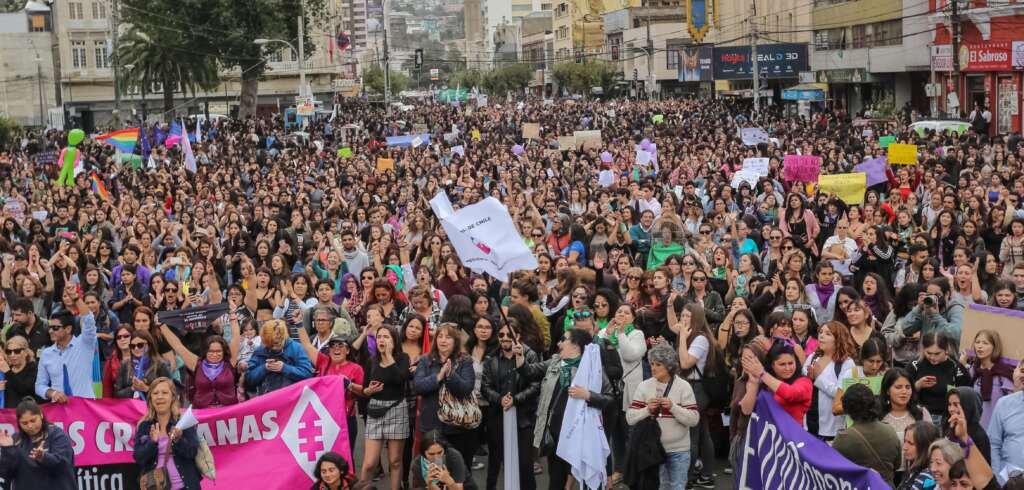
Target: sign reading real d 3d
(774,61)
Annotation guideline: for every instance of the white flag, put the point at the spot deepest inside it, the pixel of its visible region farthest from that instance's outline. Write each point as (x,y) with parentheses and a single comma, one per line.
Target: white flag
(753,136)
(484,236)
(186,148)
(416,142)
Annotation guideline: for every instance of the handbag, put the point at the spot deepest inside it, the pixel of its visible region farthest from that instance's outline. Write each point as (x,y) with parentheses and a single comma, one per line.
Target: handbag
(204,460)
(378,412)
(461,413)
(157,478)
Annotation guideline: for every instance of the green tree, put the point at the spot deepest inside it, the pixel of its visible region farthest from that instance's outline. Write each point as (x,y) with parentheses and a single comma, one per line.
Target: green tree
(165,57)
(581,77)
(9,131)
(373,80)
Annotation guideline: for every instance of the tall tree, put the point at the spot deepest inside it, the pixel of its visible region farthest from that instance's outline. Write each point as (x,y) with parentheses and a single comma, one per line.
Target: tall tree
(242,22)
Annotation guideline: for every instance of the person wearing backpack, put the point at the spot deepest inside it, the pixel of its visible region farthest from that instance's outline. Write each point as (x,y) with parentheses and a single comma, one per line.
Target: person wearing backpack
(831,362)
(697,355)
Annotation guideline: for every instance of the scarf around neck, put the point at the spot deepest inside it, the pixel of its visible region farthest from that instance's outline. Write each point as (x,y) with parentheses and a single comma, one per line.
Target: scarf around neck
(565,373)
(987,376)
(211,370)
(614,339)
(824,293)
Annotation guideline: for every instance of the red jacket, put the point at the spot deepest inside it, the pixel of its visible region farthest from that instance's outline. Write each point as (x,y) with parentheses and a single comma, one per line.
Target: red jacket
(795,398)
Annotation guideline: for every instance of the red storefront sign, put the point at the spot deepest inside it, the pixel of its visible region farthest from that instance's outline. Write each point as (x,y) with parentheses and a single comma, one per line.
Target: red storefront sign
(981,57)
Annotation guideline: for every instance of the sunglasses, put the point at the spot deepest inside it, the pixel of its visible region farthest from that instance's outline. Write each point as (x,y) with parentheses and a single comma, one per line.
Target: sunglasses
(54,328)
(705,232)
(689,263)
(505,335)
(171,290)
(777,237)
(699,279)
(124,336)
(581,315)
(633,278)
(139,345)
(538,235)
(788,247)
(13,351)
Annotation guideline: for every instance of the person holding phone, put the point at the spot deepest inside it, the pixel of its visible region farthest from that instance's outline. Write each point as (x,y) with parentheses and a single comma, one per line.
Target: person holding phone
(935,373)
(438,466)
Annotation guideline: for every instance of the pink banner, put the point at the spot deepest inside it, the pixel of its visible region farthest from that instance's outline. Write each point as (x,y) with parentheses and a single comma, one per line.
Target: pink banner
(801,168)
(272,441)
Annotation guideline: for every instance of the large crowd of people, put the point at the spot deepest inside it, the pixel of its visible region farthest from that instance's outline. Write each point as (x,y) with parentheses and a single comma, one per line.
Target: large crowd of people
(699,292)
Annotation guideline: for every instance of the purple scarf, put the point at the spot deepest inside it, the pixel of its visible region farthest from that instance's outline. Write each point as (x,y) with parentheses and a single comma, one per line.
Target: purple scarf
(824,293)
(210,370)
(371,345)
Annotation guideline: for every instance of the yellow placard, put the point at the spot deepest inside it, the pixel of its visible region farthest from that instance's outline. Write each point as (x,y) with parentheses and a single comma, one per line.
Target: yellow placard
(475,134)
(385,164)
(848,187)
(904,154)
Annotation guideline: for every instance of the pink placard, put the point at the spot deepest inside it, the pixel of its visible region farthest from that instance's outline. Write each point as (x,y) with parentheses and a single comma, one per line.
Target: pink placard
(801,168)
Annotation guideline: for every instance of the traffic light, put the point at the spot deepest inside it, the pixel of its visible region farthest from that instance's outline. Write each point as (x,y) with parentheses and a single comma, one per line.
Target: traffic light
(419,58)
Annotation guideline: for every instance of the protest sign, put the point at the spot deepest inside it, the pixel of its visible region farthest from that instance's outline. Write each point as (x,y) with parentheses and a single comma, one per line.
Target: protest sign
(1008,323)
(874,383)
(459,150)
(903,154)
(848,187)
(749,176)
(658,118)
(272,441)
(875,170)
(531,131)
(756,165)
(588,140)
(416,142)
(753,136)
(475,134)
(345,152)
(566,143)
(385,164)
(885,141)
(778,453)
(195,319)
(643,157)
(484,236)
(419,128)
(801,168)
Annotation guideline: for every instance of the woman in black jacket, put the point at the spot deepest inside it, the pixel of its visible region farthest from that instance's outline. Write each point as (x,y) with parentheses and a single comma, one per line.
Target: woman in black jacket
(505,389)
(39,456)
(134,378)
(156,437)
(18,366)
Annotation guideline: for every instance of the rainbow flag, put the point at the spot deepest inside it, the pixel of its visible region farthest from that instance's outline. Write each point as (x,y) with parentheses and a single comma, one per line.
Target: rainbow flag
(123,140)
(99,188)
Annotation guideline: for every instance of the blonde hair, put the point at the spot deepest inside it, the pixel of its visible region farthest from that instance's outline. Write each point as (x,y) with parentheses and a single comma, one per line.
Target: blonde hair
(175,400)
(273,332)
(30,356)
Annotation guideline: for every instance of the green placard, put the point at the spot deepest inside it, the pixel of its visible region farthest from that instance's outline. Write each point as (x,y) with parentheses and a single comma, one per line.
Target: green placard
(885,141)
(873,382)
(345,152)
(658,118)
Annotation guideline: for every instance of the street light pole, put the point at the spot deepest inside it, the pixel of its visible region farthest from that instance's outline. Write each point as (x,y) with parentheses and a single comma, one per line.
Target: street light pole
(302,41)
(302,74)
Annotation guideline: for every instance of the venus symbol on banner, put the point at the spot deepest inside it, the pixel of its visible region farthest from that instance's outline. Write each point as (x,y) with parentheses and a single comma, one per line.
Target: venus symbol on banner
(310,430)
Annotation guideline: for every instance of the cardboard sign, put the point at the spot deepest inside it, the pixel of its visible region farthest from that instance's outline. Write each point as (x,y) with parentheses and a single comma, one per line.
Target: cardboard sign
(756,165)
(385,164)
(902,154)
(848,187)
(1009,324)
(566,143)
(531,131)
(345,152)
(801,168)
(885,141)
(588,140)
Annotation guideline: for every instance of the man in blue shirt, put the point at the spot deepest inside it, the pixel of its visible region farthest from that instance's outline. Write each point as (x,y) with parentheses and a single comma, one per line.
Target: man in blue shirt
(1006,430)
(65,368)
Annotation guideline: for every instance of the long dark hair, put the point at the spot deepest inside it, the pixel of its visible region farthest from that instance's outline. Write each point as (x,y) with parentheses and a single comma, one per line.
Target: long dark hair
(490,344)
(891,377)
(778,350)
(925,433)
(29,405)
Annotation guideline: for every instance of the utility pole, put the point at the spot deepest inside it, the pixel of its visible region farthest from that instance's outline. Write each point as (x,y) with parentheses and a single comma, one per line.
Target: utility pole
(39,81)
(650,60)
(387,61)
(115,17)
(753,59)
(955,21)
(302,57)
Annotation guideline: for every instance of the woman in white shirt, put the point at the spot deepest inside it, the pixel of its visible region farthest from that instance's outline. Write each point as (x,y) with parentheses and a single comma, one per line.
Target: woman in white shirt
(831,362)
(696,352)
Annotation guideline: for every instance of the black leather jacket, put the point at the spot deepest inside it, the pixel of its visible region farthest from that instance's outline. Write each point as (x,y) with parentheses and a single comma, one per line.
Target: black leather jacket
(502,377)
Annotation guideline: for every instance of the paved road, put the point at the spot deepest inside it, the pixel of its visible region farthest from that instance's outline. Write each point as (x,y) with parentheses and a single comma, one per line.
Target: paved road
(722,481)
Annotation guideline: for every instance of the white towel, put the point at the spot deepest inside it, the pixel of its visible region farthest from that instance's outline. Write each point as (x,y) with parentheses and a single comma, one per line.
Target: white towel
(581,442)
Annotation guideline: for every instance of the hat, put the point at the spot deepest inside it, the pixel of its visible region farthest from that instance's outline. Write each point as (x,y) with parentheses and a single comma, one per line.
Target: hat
(338,338)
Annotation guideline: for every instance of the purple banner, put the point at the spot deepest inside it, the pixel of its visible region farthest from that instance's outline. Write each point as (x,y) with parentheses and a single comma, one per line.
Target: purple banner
(875,170)
(779,453)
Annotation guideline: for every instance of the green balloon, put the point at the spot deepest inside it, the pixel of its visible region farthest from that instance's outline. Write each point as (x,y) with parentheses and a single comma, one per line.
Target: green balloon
(75,137)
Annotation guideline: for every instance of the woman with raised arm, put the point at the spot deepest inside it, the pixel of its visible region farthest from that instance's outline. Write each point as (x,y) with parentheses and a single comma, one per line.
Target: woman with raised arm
(213,372)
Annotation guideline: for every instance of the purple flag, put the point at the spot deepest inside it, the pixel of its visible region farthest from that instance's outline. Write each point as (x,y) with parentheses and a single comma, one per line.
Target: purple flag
(875,170)
(778,453)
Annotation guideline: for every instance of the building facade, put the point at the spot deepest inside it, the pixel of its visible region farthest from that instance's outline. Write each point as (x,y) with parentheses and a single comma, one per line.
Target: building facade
(26,66)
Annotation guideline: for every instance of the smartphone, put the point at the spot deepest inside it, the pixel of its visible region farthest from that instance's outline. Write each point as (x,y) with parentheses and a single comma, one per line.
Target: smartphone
(175,260)
(184,288)
(70,235)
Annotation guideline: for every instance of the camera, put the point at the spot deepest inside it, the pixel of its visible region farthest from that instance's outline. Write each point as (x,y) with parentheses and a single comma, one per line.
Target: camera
(931,301)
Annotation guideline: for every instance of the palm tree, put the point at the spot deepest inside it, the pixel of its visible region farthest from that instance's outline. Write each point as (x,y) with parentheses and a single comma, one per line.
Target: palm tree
(164,56)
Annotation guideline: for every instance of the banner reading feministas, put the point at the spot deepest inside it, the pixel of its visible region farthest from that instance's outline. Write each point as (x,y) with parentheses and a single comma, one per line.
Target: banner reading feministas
(779,453)
(270,442)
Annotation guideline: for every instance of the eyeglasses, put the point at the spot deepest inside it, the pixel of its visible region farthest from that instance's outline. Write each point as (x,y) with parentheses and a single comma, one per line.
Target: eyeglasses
(698,279)
(787,247)
(124,336)
(504,335)
(12,352)
(689,262)
(170,290)
(600,305)
(738,323)
(582,315)
(54,328)
(776,237)
(705,232)
(633,278)
(139,345)
(538,235)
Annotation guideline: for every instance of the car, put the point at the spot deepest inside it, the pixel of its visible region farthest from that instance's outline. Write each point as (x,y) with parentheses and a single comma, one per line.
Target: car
(941,125)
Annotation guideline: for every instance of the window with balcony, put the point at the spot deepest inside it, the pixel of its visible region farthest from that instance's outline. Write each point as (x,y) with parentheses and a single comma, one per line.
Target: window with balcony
(888,33)
(75,11)
(78,60)
(860,36)
(100,50)
(827,39)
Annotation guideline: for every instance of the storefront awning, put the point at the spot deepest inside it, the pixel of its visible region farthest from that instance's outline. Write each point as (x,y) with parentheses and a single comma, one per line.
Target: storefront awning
(814,92)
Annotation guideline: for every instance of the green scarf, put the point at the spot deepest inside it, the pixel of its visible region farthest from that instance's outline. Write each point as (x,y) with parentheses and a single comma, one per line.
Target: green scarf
(613,340)
(567,320)
(565,374)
